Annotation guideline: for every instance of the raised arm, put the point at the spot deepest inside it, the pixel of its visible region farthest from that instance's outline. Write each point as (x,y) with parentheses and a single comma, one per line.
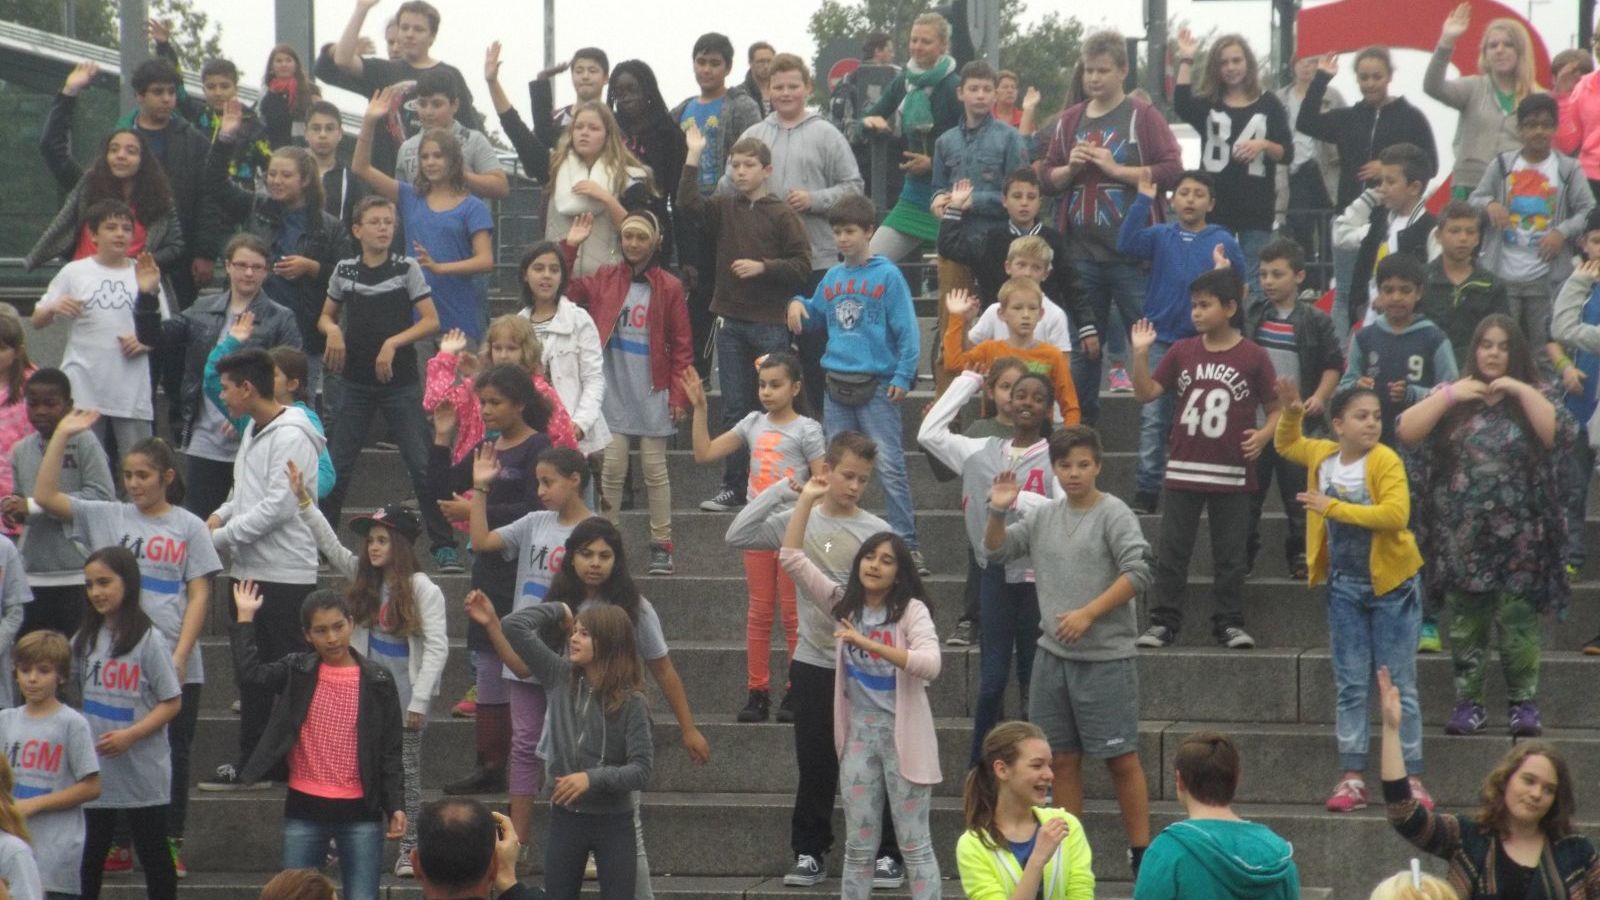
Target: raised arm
(46,485)
(382,183)
(347,52)
(706,448)
(935,435)
(1313,120)
(1452,92)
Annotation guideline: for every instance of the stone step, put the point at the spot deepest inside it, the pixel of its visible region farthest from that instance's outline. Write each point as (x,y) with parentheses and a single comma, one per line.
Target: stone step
(1209,684)
(227,835)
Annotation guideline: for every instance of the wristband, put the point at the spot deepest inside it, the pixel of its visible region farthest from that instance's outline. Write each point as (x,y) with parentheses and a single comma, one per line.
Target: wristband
(997,513)
(1564,362)
(480,487)
(306,503)
(1449,393)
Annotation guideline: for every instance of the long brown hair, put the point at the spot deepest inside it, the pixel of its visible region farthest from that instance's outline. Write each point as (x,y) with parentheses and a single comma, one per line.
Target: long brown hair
(14,336)
(400,616)
(455,174)
(305,90)
(1557,821)
(299,884)
(613,152)
(12,821)
(1211,87)
(617,670)
(305,165)
(150,193)
(980,795)
(1519,365)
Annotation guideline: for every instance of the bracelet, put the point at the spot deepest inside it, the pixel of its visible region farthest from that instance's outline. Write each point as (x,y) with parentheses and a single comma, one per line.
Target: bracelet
(1564,362)
(305,503)
(997,513)
(480,487)
(1449,393)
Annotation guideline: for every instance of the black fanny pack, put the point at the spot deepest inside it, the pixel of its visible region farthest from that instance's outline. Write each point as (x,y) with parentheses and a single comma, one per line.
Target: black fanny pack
(852,388)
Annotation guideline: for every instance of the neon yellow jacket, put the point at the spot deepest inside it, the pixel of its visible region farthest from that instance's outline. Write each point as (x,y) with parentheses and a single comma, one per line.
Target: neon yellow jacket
(1394,556)
(990,873)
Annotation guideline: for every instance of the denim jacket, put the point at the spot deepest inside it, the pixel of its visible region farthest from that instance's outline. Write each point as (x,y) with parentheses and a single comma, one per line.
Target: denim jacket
(985,155)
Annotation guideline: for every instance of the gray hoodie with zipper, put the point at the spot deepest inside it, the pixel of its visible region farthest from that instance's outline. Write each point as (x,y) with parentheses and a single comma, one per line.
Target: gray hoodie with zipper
(811,156)
(261,524)
(613,748)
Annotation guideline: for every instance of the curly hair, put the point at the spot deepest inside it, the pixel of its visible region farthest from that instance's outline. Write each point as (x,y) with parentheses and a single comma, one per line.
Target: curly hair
(147,191)
(1492,812)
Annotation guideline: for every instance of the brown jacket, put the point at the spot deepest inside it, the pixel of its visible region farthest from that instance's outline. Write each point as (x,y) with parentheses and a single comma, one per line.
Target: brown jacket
(766,230)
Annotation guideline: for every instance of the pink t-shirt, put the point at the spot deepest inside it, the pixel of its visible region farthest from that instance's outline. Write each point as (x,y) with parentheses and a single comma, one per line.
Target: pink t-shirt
(324,761)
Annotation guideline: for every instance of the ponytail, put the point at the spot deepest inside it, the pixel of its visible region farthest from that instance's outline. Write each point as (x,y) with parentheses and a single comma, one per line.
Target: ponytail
(981,791)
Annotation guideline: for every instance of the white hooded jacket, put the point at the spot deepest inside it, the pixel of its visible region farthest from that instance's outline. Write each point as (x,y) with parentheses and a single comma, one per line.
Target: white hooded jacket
(261,526)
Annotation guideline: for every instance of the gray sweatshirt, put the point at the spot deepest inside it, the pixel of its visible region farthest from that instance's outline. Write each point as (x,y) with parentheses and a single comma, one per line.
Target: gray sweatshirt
(809,156)
(614,748)
(49,554)
(831,544)
(261,519)
(1077,555)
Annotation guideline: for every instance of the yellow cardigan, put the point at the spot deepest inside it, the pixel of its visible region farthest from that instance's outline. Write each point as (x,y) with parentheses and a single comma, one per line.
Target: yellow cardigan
(1394,550)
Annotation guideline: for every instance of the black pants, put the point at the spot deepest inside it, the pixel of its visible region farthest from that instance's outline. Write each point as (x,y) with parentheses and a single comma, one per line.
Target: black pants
(1180,523)
(703,255)
(180,738)
(59,608)
(569,840)
(1308,198)
(149,841)
(278,633)
(809,347)
(207,485)
(969,612)
(811,824)
(1291,480)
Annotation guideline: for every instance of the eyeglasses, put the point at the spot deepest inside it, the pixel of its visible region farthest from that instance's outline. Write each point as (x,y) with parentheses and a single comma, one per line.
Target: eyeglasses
(247,267)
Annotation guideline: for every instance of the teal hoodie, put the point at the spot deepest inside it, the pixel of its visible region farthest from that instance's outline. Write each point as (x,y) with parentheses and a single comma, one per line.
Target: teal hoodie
(1217,859)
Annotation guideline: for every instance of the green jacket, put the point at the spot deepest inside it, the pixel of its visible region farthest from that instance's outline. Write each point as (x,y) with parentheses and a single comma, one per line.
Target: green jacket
(1457,309)
(1216,859)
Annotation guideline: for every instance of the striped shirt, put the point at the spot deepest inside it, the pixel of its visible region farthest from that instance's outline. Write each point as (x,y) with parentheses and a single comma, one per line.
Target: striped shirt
(1215,399)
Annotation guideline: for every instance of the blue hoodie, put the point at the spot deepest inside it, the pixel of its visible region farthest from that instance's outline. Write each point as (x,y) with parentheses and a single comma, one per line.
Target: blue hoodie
(1218,859)
(1177,257)
(870,319)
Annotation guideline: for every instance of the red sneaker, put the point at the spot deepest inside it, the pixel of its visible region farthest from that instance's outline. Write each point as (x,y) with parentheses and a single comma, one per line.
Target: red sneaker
(119,860)
(1420,793)
(1349,796)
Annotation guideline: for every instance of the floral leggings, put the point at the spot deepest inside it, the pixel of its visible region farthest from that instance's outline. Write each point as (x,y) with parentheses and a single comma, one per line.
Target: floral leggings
(1472,619)
(869,765)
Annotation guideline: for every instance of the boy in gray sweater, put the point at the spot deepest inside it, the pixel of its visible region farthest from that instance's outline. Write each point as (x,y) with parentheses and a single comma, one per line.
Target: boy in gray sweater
(1090,560)
(53,561)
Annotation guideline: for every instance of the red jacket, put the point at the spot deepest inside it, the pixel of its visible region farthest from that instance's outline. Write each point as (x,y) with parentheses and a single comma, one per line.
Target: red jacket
(671,344)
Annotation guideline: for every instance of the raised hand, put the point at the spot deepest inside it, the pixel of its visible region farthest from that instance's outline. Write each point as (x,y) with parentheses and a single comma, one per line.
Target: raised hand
(382,104)
(582,226)
(961,302)
(247,600)
(444,418)
(1142,335)
(1388,699)
(243,327)
(78,421)
(147,273)
(81,76)
(485,465)
(1031,99)
(297,483)
(1456,24)
(453,342)
(1329,63)
(815,488)
(491,63)
(1147,185)
(232,115)
(365,47)
(693,390)
(1004,492)
(159,30)
(961,194)
(1219,258)
(1188,45)
(480,609)
(1289,395)
(694,140)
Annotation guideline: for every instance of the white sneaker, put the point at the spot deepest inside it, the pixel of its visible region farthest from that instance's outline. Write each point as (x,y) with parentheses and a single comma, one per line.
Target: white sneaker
(402,866)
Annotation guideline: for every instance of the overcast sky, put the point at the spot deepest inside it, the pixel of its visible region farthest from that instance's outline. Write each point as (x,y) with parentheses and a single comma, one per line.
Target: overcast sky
(661,32)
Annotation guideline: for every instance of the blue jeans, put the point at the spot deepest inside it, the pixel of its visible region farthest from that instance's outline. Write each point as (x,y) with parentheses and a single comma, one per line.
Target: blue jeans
(1155,423)
(1121,281)
(1366,632)
(1250,243)
(739,345)
(1009,622)
(360,844)
(408,426)
(880,420)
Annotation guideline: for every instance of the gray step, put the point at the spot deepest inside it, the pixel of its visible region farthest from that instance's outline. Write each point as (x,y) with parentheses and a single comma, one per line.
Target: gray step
(226,834)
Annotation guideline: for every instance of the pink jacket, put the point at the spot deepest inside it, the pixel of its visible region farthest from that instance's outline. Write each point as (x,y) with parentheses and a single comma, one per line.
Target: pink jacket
(1578,131)
(443,384)
(915,743)
(14,426)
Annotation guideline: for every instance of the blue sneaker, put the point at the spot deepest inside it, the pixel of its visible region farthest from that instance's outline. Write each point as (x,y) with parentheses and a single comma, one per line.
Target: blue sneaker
(1470,718)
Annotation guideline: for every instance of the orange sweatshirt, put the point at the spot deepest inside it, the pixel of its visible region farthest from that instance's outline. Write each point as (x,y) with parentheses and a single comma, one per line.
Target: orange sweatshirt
(1046,359)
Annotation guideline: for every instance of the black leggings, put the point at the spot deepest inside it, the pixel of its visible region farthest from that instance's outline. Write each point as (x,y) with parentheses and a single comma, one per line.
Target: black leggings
(571,837)
(149,841)
(57,607)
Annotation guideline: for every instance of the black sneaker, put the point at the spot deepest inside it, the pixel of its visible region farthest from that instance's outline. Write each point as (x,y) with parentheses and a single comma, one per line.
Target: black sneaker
(1155,637)
(808,870)
(482,780)
(756,708)
(228,779)
(966,634)
(1235,638)
(724,501)
(888,874)
(1145,503)
(786,709)
(1298,570)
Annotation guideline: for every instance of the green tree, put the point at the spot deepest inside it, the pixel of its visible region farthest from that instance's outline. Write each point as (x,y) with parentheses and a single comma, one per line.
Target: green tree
(195,36)
(1041,54)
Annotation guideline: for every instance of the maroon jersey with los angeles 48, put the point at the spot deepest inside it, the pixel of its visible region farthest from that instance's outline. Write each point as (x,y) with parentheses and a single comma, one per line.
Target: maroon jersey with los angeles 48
(1215,397)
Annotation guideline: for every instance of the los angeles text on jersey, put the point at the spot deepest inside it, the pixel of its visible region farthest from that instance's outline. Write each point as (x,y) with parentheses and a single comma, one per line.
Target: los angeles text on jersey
(1238,386)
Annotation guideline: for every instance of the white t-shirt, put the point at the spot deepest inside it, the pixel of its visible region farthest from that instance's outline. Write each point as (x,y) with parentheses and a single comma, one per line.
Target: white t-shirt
(1391,244)
(102,378)
(1532,190)
(1336,478)
(1052,329)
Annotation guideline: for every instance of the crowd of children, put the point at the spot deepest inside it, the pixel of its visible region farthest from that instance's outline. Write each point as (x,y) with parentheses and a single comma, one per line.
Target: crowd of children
(1431,438)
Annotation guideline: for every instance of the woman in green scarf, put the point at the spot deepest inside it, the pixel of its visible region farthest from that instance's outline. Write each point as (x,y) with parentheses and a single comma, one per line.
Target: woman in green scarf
(919,105)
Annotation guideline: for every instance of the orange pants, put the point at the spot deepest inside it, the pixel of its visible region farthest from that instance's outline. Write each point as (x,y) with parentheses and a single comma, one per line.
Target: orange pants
(770,588)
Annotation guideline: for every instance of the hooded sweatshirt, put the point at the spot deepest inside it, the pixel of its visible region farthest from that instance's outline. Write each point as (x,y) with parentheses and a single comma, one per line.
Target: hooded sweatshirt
(1361,132)
(1578,128)
(614,748)
(764,229)
(1218,859)
(1177,256)
(1418,354)
(812,156)
(870,321)
(261,523)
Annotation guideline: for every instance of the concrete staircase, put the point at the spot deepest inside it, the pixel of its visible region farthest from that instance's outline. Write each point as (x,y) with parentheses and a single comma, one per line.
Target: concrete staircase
(722,830)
